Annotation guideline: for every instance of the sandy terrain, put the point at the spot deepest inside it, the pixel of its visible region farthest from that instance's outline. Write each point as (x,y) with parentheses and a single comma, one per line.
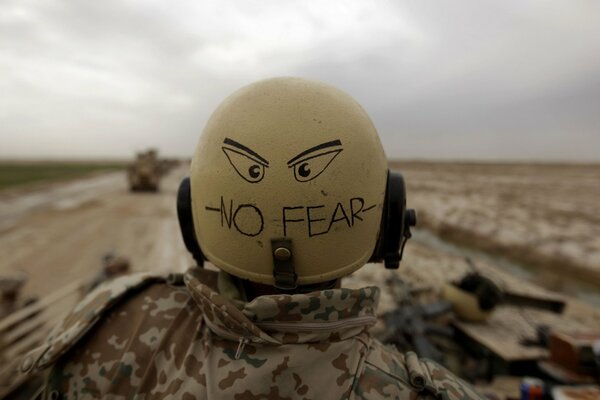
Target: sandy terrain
(538,215)
(545,216)
(60,233)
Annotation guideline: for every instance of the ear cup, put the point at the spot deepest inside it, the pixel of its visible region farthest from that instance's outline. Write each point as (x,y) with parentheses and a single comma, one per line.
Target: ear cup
(186,220)
(396,221)
(378,251)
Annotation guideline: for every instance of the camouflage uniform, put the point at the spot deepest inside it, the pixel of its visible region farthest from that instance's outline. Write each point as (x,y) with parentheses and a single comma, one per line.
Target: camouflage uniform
(184,340)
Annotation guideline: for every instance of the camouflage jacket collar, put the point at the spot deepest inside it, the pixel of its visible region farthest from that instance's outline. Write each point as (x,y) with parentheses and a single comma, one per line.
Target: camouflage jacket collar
(329,315)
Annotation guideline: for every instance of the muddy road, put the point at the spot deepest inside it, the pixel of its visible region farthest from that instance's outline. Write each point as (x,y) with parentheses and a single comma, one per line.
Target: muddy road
(60,233)
(535,222)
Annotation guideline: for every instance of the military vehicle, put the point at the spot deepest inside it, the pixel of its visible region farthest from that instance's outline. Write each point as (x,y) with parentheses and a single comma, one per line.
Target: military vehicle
(144,174)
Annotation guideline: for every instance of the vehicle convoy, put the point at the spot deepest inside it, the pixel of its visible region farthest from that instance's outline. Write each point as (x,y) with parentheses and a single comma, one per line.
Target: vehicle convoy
(144,174)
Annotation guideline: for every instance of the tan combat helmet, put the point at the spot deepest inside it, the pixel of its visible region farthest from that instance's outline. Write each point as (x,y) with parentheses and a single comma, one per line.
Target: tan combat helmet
(288,184)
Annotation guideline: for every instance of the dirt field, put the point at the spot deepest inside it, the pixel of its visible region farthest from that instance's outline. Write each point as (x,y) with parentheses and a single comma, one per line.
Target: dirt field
(544,216)
(60,233)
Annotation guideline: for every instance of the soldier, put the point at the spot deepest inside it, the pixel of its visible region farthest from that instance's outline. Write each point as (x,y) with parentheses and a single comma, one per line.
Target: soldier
(289,192)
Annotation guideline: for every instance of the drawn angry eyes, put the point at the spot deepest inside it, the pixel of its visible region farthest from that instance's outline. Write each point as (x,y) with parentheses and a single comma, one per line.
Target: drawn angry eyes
(307,165)
(247,163)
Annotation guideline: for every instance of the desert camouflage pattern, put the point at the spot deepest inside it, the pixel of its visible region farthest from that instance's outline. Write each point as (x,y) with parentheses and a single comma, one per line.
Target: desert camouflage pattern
(82,318)
(151,339)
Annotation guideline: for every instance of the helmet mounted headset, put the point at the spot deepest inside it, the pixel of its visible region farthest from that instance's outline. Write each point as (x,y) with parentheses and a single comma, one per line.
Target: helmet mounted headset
(290,187)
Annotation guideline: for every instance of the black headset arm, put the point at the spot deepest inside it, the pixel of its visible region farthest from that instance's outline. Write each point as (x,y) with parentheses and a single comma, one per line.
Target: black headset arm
(396,222)
(186,221)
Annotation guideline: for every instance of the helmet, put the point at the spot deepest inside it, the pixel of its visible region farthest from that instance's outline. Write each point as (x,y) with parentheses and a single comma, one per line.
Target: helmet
(465,304)
(288,184)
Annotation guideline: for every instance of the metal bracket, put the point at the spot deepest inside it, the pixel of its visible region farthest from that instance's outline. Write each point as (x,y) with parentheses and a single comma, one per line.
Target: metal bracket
(283,264)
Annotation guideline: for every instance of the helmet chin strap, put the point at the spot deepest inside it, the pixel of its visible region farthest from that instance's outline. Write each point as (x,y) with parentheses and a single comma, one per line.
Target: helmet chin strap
(252,289)
(283,264)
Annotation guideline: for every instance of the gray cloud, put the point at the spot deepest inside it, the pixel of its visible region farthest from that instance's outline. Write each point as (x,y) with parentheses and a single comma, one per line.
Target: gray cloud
(516,80)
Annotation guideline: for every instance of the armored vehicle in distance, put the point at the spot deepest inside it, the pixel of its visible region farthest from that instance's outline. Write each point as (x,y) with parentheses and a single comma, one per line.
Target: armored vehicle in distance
(144,174)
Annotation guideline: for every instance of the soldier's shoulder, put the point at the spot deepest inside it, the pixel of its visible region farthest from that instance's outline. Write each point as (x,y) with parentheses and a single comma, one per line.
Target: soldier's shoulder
(388,373)
(87,314)
(447,383)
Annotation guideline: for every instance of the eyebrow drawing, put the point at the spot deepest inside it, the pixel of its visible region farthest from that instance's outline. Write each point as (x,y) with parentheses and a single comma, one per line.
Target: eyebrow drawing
(247,150)
(315,148)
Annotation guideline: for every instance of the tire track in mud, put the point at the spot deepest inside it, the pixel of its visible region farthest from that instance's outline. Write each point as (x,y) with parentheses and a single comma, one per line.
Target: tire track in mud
(58,242)
(58,196)
(41,232)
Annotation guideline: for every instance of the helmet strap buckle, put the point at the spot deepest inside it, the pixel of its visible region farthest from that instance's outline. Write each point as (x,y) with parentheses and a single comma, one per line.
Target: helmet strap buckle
(283,264)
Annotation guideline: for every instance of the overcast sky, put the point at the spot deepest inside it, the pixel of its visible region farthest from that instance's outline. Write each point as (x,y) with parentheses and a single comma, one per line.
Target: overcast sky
(441,79)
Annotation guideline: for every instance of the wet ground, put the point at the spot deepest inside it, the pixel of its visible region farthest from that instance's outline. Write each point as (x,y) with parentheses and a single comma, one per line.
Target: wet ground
(540,219)
(60,232)
(553,280)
